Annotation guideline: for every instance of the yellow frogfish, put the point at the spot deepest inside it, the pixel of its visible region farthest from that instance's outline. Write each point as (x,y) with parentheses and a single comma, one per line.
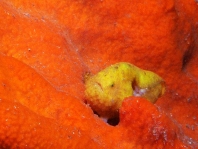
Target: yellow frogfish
(106,90)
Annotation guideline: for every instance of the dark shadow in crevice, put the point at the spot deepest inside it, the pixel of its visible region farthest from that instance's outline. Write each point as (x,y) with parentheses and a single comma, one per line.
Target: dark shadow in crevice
(191,49)
(187,56)
(113,121)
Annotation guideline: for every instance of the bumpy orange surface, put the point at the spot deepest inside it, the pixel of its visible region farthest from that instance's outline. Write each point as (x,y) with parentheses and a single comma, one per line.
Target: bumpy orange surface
(46,47)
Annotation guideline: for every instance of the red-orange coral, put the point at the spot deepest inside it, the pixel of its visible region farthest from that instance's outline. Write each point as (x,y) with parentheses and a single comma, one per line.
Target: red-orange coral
(147,126)
(62,40)
(22,128)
